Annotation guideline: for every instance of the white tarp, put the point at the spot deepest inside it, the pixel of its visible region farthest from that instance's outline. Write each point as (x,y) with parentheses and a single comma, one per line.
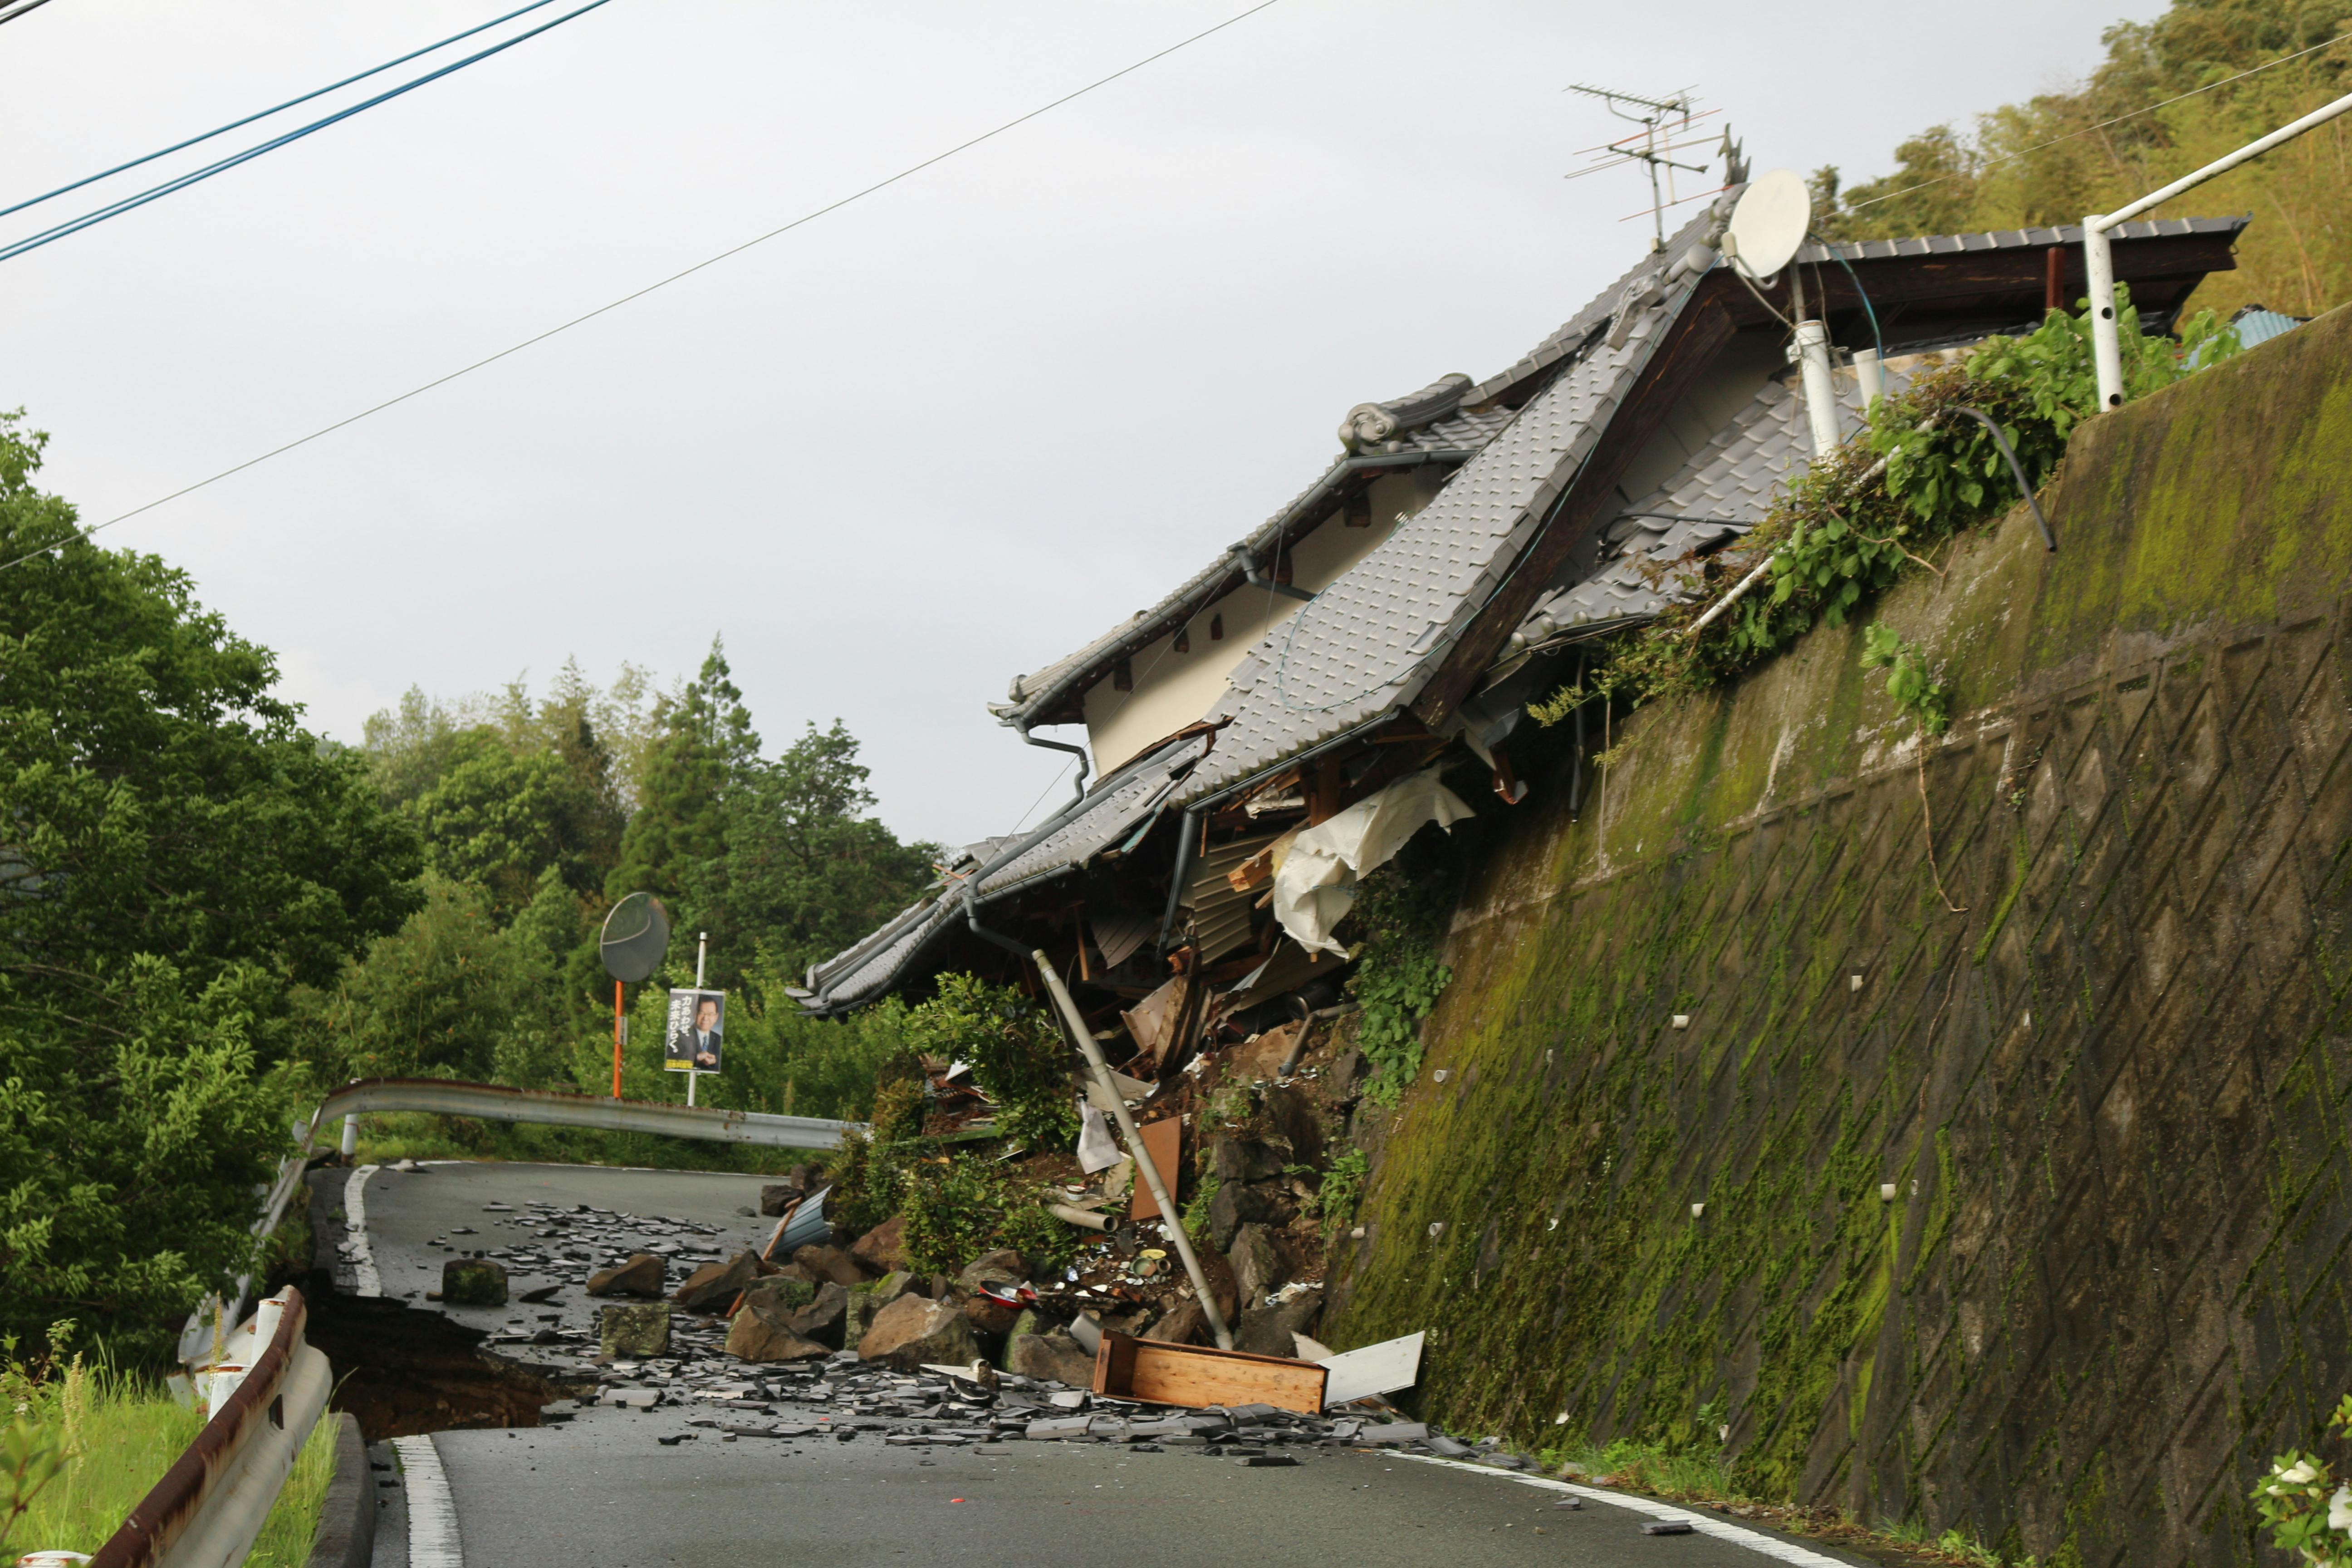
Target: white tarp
(1098,1150)
(1315,882)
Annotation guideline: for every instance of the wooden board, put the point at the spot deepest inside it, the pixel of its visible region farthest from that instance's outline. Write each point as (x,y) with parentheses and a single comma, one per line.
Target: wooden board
(1129,1368)
(1164,1142)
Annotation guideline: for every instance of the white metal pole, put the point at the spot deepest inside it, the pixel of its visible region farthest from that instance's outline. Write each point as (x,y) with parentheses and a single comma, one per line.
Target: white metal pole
(350,1136)
(1821,392)
(1870,376)
(2099,278)
(2098,259)
(1171,1220)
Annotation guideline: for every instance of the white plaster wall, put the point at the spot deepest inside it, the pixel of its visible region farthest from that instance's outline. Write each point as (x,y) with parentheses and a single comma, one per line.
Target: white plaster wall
(1173,690)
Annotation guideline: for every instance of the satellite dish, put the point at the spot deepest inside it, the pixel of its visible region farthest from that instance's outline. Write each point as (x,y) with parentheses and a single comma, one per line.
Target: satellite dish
(637,935)
(1769,223)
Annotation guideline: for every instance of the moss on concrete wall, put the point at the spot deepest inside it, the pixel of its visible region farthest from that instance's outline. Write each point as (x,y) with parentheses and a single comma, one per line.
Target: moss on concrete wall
(2107,1095)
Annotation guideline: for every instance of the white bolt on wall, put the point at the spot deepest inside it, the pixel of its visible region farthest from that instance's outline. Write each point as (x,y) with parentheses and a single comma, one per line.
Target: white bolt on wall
(1697,1209)
(1886,1191)
(1853,983)
(1682,1020)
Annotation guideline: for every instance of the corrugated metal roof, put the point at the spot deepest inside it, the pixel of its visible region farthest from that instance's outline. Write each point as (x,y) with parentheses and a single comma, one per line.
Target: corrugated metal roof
(2014,239)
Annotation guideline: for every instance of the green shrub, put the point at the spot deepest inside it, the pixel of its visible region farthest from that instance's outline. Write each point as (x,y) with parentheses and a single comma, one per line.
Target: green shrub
(1018,1056)
(958,1207)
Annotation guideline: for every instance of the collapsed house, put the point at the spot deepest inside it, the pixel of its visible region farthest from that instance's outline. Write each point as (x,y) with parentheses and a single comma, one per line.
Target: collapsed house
(1273,728)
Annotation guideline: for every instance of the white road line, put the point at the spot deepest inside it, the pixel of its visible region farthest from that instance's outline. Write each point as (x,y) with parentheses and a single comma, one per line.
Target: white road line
(356,1234)
(1756,1540)
(433,1540)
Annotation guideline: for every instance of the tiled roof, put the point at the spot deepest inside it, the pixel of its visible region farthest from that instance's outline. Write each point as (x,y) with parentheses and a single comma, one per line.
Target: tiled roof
(1423,426)
(1119,808)
(1369,641)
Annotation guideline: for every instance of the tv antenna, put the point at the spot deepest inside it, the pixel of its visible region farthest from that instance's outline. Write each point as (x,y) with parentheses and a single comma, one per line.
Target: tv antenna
(1668,117)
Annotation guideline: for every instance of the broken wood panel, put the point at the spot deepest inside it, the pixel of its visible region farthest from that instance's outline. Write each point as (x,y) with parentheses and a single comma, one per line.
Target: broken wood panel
(1164,1142)
(1129,1368)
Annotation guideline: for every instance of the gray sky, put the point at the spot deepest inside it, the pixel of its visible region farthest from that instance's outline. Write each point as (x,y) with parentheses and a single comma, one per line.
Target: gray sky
(936,438)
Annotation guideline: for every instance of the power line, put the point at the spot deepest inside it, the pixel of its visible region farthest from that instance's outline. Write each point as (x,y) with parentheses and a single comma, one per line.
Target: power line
(2102,125)
(14,249)
(418,391)
(264,114)
(11,13)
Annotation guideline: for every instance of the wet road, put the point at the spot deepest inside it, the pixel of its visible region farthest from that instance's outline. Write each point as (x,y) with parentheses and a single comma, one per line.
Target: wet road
(601,1491)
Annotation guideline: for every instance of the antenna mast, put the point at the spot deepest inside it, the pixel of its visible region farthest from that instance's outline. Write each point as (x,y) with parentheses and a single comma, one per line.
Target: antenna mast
(1650,114)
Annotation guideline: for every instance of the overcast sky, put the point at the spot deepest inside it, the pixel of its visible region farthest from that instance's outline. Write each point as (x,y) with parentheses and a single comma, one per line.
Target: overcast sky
(936,438)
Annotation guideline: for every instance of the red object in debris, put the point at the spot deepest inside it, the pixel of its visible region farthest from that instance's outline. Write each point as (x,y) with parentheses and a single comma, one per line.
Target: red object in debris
(1009,1295)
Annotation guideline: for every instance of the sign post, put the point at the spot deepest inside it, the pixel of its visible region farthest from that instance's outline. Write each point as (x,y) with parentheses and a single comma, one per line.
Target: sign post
(693,1041)
(634,938)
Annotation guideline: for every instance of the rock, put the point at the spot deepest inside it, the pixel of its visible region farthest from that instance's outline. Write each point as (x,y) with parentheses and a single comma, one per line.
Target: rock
(1300,1125)
(988,1316)
(473,1282)
(914,1330)
(883,1248)
(782,1297)
(1257,1267)
(1055,1355)
(1028,1322)
(832,1263)
(636,1330)
(1185,1324)
(643,1274)
(865,1301)
(1243,1160)
(1344,1081)
(714,1287)
(759,1334)
(824,1318)
(1222,1284)
(1267,1330)
(776,1198)
(1004,1266)
(790,1271)
(538,1296)
(1235,1207)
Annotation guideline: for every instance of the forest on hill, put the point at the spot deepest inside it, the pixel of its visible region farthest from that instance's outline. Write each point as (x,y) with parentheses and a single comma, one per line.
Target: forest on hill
(2171,96)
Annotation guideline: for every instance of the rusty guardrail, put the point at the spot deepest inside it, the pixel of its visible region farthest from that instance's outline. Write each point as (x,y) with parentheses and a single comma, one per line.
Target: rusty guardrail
(268,1389)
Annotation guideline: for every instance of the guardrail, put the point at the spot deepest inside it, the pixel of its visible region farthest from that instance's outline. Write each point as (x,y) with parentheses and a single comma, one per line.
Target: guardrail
(268,1389)
(495,1103)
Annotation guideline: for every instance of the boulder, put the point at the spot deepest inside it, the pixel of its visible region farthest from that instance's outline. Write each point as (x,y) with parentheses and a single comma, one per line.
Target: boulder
(1235,1207)
(824,1319)
(1223,1285)
(1295,1116)
(714,1287)
(913,1329)
(758,1334)
(1269,1330)
(1185,1324)
(643,1275)
(865,1301)
(776,1198)
(1056,1356)
(1344,1083)
(883,1248)
(782,1297)
(636,1330)
(473,1282)
(832,1263)
(790,1271)
(1235,1160)
(988,1316)
(1257,1267)
(1004,1266)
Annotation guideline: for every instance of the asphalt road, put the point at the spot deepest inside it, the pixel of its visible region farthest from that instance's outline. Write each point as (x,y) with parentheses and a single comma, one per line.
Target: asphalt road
(600,1491)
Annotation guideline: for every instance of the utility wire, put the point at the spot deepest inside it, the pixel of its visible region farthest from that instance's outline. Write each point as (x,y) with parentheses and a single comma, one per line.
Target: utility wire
(264,114)
(11,16)
(2102,125)
(907,172)
(14,249)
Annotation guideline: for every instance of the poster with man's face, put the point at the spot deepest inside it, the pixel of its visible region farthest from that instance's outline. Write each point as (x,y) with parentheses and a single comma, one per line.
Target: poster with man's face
(696,1021)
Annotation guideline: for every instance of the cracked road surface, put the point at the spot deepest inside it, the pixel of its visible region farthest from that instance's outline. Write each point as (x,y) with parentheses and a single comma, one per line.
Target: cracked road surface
(601,1490)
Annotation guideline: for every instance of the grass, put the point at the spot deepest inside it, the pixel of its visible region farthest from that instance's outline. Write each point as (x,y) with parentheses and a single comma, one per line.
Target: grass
(120,1434)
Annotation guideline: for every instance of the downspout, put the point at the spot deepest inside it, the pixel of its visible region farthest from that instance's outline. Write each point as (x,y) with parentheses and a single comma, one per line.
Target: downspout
(1078,752)
(971,918)
(1192,833)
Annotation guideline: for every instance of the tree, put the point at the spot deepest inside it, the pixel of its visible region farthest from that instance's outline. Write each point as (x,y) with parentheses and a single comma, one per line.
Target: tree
(678,835)
(178,852)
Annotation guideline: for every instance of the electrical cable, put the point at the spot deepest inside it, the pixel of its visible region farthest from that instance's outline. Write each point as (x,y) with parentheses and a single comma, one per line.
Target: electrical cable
(155,193)
(634,294)
(1876,342)
(2102,125)
(264,114)
(28,6)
